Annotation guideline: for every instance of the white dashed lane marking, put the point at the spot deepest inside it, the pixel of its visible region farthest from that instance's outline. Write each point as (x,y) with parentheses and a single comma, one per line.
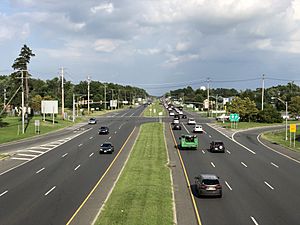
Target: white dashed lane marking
(77,167)
(91,154)
(266,183)
(3,193)
(39,170)
(227,184)
(48,192)
(244,164)
(64,155)
(273,164)
(213,165)
(254,221)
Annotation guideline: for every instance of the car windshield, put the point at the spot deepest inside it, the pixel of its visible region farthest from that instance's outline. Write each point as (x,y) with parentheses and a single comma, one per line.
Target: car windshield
(218,143)
(106,145)
(103,128)
(210,182)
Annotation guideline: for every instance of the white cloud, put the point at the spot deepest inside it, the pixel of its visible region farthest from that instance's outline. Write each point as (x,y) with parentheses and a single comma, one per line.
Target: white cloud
(182,46)
(106,7)
(106,45)
(174,60)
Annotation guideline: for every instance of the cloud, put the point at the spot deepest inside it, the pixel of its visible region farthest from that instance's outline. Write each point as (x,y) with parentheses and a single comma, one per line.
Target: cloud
(106,7)
(106,45)
(174,60)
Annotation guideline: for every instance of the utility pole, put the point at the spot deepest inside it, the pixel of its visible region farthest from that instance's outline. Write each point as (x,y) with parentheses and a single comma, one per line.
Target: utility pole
(89,81)
(262,92)
(208,80)
(104,96)
(23,119)
(4,100)
(27,92)
(62,94)
(73,108)
(112,96)
(118,105)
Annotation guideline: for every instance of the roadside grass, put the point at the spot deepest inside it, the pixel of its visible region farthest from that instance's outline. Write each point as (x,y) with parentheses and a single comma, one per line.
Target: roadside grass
(245,125)
(143,193)
(278,137)
(3,156)
(154,109)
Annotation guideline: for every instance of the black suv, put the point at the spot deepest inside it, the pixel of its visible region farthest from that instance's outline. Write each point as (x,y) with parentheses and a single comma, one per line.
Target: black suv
(217,146)
(103,130)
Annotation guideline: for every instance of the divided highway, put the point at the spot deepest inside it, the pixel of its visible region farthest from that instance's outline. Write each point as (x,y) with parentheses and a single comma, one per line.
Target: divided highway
(49,189)
(259,185)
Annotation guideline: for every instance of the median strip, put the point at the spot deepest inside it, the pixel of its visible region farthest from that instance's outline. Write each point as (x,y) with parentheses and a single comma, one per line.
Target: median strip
(143,191)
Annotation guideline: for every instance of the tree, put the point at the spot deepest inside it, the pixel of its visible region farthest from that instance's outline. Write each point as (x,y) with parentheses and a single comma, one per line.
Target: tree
(245,107)
(36,103)
(20,64)
(294,106)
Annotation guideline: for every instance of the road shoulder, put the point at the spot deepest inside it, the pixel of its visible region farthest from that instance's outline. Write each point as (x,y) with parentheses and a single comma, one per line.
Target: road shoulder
(185,212)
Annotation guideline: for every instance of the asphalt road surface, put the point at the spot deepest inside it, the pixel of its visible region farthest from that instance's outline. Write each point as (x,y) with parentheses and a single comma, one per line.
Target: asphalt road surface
(49,189)
(260,186)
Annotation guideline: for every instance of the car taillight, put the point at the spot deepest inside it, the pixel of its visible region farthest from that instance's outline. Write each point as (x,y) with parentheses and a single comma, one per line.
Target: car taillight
(203,186)
(218,186)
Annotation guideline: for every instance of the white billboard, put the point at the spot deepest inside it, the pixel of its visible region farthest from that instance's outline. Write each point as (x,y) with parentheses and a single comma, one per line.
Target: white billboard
(113,103)
(49,106)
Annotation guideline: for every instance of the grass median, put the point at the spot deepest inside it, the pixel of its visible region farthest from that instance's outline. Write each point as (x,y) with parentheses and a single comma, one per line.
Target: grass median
(143,193)
(155,110)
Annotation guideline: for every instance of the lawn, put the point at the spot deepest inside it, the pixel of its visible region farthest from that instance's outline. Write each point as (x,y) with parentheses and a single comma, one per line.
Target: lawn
(279,138)
(143,193)
(155,110)
(246,125)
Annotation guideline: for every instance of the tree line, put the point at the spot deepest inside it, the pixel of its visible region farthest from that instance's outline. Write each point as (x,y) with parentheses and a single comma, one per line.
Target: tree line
(248,103)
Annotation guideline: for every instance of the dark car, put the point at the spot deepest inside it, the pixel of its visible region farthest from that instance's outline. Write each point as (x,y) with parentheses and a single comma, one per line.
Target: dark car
(217,146)
(176,116)
(208,185)
(106,147)
(92,121)
(176,127)
(104,130)
(183,116)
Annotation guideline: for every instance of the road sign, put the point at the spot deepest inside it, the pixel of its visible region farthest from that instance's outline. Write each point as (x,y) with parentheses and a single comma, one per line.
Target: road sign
(293,128)
(234,117)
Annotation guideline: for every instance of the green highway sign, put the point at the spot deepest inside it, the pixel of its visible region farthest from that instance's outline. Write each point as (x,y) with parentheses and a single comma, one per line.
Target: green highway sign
(234,117)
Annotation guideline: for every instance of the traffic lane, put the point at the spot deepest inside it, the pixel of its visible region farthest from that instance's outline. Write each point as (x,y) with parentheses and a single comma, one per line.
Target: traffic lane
(212,163)
(56,169)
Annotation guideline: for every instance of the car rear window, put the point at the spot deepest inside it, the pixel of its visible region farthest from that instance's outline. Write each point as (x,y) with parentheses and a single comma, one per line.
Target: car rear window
(210,181)
(106,145)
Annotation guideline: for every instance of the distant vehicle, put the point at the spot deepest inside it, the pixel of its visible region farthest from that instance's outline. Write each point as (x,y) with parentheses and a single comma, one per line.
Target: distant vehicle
(223,117)
(176,116)
(180,113)
(176,127)
(175,121)
(171,113)
(198,129)
(103,130)
(106,147)
(191,121)
(180,108)
(183,116)
(217,146)
(208,185)
(188,141)
(92,121)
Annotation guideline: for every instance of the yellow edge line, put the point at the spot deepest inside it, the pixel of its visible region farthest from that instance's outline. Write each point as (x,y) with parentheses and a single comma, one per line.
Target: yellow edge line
(187,180)
(99,181)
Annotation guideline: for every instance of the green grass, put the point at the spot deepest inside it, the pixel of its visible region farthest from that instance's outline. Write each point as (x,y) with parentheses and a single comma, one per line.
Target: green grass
(143,193)
(154,109)
(279,138)
(246,125)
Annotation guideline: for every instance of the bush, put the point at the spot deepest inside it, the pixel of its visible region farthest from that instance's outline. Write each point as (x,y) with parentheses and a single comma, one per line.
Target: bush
(269,115)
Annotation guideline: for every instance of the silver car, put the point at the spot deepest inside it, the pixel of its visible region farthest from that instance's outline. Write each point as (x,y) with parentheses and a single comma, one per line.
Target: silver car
(208,185)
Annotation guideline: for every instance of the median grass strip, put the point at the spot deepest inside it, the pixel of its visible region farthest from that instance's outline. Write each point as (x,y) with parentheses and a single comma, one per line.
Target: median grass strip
(143,193)
(155,110)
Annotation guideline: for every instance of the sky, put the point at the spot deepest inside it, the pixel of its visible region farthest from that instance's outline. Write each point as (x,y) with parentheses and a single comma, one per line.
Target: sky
(157,45)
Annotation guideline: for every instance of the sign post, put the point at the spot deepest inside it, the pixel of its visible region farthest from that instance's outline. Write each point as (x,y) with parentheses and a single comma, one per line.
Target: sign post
(293,129)
(37,126)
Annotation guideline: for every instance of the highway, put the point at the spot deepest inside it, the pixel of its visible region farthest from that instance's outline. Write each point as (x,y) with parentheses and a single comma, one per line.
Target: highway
(259,186)
(49,189)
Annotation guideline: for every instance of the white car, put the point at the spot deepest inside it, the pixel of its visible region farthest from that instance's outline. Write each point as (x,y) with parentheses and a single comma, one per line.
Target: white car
(191,121)
(180,113)
(198,129)
(176,121)
(172,114)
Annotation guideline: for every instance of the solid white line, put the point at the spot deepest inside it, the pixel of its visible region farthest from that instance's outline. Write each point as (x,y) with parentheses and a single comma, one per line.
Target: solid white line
(253,220)
(22,154)
(212,164)
(297,161)
(185,128)
(228,186)
(64,155)
(269,185)
(109,138)
(91,138)
(79,145)
(48,192)
(244,164)
(131,115)
(77,167)
(273,164)
(40,170)
(124,114)
(3,193)
(17,158)
(228,152)
(35,151)
(203,151)
(91,154)
(40,147)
